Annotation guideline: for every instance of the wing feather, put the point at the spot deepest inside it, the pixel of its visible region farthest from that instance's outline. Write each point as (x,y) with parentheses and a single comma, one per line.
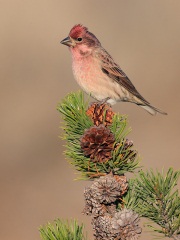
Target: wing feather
(113,70)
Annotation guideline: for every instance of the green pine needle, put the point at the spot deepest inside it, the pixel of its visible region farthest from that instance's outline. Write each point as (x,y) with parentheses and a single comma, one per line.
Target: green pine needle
(62,230)
(73,108)
(154,196)
(130,199)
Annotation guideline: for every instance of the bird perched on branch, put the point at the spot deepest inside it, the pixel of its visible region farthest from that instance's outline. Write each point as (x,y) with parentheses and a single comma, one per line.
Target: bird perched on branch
(98,74)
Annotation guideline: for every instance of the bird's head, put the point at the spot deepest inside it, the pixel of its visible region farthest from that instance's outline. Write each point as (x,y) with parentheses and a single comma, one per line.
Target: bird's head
(80,38)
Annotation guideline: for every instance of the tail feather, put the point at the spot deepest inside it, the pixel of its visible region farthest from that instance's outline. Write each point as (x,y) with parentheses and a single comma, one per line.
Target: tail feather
(152,110)
(147,106)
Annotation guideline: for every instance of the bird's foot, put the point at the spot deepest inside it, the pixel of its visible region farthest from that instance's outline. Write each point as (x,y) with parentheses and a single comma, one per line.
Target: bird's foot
(103,101)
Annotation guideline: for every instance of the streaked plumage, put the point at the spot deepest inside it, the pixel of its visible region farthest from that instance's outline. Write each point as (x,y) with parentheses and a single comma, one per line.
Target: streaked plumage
(98,74)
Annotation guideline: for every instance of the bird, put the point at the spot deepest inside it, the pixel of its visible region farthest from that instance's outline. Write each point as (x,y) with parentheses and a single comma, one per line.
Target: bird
(98,74)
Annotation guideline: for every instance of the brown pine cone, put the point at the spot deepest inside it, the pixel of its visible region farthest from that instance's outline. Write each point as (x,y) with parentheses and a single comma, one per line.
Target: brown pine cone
(97,143)
(100,113)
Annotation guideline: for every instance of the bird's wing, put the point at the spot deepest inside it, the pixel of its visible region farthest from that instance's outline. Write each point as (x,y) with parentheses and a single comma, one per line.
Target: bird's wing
(110,68)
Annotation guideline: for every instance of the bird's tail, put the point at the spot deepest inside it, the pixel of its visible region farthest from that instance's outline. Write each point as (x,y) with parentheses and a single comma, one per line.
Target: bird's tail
(152,110)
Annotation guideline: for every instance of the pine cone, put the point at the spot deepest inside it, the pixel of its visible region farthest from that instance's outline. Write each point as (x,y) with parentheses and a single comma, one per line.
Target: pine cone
(126,223)
(106,189)
(101,196)
(97,143)
(123,226)
(92,206)
(98,201)
(100,114)
(102,228)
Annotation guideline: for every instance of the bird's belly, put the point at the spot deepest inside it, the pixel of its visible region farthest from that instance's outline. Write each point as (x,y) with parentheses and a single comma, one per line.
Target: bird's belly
(93,81)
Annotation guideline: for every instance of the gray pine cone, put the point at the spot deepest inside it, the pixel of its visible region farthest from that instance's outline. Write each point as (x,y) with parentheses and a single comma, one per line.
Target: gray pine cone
(92,206)
(106,189)
(103,228)
(100,198)
(123,226)
(126,221)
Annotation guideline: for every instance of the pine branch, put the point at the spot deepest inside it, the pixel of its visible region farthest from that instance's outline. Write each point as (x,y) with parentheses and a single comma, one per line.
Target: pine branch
(62,230)
(98,147)
(154,197)
(75,114)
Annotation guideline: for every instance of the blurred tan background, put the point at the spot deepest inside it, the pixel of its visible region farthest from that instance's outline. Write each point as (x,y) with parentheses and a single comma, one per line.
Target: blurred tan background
(36,183)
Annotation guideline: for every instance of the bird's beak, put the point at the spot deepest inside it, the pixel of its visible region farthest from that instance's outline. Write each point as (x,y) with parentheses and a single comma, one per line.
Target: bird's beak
(68,41)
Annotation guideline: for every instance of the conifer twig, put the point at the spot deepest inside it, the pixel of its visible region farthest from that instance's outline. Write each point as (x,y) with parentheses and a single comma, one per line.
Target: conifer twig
(62,230)
(153,195)
(97,145)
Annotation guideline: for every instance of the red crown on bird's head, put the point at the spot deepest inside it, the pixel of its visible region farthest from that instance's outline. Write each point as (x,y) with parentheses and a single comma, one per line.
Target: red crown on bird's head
(77,31)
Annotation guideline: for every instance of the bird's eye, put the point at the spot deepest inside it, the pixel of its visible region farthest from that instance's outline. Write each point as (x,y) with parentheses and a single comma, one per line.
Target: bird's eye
(79,39)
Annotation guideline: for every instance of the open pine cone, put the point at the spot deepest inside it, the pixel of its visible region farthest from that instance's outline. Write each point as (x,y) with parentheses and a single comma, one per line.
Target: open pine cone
(100,113)
(126,222)
(124,225)
(97,143)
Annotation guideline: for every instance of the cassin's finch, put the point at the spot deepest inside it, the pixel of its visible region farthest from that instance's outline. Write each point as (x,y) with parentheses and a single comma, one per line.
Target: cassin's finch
(98,74)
